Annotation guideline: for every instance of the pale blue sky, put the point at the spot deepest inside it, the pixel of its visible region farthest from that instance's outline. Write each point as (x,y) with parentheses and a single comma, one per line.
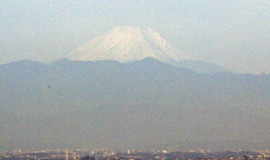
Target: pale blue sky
(234,34)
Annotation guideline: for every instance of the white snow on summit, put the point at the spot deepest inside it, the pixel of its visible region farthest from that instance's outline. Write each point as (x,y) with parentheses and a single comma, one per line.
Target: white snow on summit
(127,44)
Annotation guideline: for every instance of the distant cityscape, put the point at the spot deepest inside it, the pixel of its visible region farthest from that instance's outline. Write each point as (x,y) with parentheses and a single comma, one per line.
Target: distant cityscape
(103,154)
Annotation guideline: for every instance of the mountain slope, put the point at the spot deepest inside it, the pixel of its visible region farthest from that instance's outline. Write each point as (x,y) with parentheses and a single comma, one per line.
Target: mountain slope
(201,67)
(127,44)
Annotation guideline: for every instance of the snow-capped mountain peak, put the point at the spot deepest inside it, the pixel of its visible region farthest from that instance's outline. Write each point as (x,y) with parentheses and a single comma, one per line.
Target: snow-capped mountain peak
(127,44)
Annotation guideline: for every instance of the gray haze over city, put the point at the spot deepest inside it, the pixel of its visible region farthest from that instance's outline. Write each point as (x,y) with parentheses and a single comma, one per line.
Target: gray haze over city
(233,34)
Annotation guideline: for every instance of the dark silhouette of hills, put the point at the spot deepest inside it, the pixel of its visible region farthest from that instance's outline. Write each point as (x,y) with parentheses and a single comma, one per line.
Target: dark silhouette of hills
(107,104)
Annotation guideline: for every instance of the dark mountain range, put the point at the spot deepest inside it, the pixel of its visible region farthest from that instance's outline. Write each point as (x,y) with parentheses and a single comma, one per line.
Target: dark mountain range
(77,104)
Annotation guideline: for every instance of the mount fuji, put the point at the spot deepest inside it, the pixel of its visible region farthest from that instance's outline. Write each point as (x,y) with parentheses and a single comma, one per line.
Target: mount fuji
(127,44)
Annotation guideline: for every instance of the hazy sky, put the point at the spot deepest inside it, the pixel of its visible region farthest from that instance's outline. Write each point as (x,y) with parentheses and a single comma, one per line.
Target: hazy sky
(232,33)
